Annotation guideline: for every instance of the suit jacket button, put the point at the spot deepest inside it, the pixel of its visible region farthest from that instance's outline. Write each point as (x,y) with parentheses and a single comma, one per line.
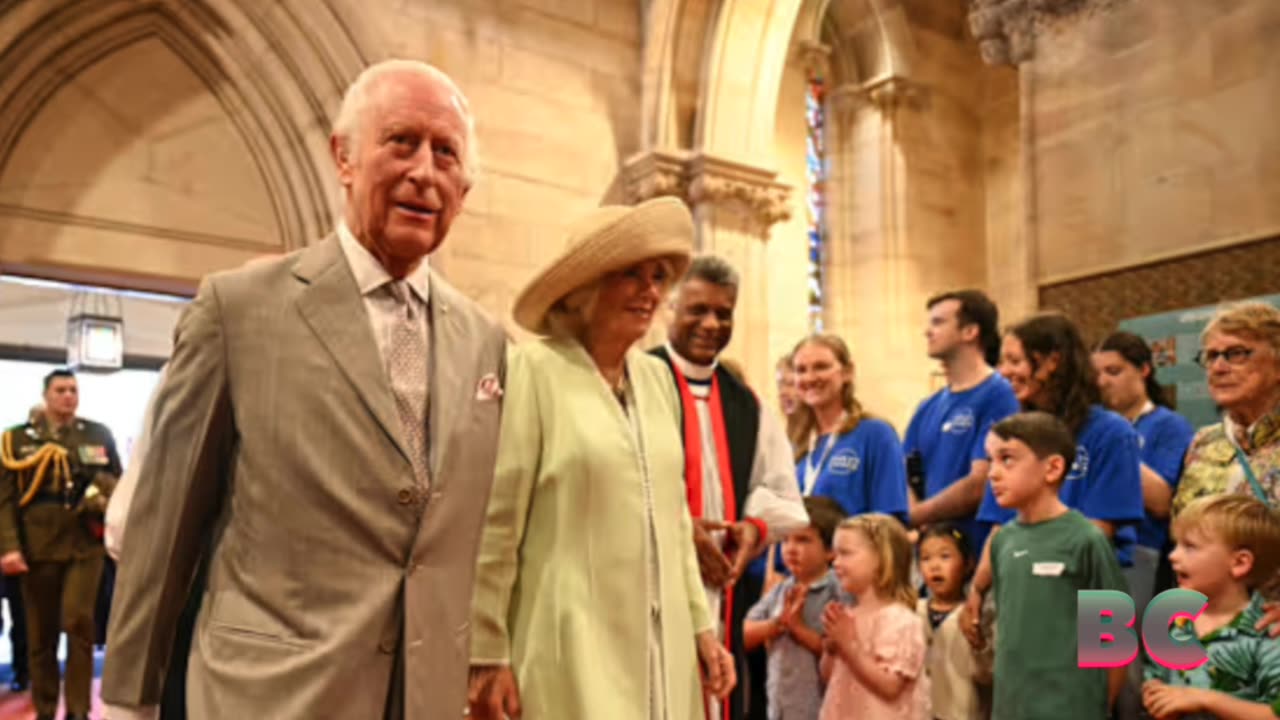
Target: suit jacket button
(405,496)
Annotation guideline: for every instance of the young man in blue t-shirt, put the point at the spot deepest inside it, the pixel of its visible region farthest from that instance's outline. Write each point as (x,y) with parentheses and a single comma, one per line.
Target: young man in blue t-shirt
(944,442)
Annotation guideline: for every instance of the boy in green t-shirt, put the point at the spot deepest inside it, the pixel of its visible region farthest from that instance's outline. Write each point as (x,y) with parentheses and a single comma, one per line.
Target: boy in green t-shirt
(1039,561)
(1227,546)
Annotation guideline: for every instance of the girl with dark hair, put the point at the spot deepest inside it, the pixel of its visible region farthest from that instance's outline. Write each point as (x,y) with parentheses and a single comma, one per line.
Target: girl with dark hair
(1126,378)
(1047,364)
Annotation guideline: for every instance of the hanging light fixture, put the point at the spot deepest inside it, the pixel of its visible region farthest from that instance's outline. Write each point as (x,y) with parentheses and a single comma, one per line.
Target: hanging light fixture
(95,331)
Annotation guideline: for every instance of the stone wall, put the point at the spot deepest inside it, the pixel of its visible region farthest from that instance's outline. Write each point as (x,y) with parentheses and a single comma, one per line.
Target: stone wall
(1154,132)
(166,144)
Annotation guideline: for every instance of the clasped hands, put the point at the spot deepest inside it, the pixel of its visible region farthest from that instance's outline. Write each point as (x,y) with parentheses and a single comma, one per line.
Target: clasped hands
(721,569)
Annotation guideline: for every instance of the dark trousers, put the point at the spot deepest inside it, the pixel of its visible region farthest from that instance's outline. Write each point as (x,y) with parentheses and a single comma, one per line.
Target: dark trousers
(102,609)
(60,598)
(12,594)
(757,661)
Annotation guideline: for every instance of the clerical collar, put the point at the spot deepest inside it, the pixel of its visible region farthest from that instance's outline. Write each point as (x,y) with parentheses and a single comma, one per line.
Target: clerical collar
(689,369)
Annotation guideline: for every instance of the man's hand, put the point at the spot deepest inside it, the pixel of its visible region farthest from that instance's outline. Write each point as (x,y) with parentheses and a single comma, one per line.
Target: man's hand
(971,619)
(746,539)
(1270,620)
(492,693)
(12,563)
(719,675)
(715,568)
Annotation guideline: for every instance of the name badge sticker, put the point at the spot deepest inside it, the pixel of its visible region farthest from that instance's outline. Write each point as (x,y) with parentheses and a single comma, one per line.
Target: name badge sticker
(1048,569)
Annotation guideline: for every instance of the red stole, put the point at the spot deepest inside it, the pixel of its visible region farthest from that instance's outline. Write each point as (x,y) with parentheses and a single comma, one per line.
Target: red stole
(693,448)
(693,479)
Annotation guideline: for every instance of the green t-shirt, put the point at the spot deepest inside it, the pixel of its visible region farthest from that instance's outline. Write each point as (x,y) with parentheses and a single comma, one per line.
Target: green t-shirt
(1038,569)
(1243,661)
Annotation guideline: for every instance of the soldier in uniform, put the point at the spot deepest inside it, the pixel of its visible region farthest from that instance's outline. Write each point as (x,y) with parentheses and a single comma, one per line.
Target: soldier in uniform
(56,476)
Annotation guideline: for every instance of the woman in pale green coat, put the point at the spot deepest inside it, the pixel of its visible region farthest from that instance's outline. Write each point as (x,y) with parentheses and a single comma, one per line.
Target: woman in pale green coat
(588,600)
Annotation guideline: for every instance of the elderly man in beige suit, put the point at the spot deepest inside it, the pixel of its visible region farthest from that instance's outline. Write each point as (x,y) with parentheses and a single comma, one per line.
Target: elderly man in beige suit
(324,440)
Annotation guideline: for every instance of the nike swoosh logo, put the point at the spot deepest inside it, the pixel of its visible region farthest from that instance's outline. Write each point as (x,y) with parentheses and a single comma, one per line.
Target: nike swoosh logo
(1020,553)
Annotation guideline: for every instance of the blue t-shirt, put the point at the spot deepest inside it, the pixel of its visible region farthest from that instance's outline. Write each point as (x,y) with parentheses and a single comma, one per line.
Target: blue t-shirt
(949,430)
(1103,483)
(863,471)
(1164,437)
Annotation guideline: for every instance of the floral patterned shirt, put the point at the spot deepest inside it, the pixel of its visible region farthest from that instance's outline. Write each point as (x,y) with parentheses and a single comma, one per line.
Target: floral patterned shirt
(1243,661)
(1212,468)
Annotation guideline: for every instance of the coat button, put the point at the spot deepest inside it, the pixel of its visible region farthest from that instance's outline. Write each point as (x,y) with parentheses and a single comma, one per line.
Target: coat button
(405,496)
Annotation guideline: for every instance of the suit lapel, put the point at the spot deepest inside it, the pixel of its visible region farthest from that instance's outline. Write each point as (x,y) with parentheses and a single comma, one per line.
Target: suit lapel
(332,306)
(450,353)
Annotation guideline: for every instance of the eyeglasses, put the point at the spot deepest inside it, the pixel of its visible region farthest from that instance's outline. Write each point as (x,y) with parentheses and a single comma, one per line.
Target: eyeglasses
(1236,355)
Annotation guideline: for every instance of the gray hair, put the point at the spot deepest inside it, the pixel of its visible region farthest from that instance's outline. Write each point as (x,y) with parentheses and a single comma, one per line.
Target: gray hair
(568,317)
(350,119)
(713,269)
(1256,320)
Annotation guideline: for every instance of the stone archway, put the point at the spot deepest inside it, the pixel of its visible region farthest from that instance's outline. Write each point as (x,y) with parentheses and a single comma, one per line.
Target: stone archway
(144,144)
(905,154)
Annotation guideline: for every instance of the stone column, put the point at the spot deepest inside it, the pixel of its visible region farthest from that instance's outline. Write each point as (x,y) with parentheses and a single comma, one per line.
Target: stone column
(734,206)
(883,261)
(1007,31)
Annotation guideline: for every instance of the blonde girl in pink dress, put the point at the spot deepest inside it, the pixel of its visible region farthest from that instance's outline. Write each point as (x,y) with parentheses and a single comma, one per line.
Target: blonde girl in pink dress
(874,652)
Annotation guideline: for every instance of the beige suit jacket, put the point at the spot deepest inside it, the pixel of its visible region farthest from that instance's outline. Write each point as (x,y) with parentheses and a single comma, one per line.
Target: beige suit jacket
(276,435)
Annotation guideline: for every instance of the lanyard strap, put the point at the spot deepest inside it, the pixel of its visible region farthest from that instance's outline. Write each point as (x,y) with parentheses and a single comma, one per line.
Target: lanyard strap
(811,473)
(1248,473)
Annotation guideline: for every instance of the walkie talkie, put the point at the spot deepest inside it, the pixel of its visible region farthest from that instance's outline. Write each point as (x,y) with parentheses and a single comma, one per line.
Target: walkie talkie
(915,473)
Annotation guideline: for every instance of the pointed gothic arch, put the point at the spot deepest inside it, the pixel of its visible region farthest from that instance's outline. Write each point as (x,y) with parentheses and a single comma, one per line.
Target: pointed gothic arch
(274,73)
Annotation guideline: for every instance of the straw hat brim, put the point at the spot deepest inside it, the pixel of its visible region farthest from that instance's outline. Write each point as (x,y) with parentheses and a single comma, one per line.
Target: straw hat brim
(608,239)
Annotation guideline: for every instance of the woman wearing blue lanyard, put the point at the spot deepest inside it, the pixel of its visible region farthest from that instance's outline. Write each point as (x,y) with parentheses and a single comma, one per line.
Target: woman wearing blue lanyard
(843,454)
(1127,380)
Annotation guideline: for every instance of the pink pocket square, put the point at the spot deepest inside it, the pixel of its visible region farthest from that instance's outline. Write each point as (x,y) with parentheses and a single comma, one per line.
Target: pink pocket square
(489,388)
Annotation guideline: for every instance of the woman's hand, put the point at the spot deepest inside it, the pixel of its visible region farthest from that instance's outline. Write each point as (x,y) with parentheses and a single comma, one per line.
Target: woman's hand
(719,675)
(492,693)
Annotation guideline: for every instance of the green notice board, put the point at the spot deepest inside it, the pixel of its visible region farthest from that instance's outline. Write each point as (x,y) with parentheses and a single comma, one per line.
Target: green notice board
(1174,338)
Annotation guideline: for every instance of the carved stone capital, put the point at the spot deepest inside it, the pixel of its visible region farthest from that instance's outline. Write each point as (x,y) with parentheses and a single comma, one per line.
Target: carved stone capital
(886,94)
(654,174)
(814,56)
(725,184)
(707,182)
(1006,29)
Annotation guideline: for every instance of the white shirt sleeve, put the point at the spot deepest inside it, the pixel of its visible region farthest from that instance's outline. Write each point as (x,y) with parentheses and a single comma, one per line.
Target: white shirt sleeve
(774,494)
(122,497)
(119,712)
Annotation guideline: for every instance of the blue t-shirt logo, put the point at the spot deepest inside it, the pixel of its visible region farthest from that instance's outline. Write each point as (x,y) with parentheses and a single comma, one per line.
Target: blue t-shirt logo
(1079,466)
(845,462)
(960,422)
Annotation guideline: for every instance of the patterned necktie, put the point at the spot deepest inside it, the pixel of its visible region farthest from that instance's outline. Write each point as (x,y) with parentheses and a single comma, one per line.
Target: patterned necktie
(407,369)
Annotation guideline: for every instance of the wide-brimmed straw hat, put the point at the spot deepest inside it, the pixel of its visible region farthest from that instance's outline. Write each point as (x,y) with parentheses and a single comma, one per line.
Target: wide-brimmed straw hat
(607,239)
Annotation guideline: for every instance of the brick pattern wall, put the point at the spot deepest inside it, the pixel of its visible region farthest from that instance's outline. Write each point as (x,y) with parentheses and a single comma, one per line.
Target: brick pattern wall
(1100,302)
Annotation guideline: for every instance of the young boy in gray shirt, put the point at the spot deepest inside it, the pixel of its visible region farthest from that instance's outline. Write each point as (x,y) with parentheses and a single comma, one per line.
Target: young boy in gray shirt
(788,619)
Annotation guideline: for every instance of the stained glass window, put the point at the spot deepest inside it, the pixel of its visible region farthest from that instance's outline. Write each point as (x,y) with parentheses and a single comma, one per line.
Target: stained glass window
(816,197)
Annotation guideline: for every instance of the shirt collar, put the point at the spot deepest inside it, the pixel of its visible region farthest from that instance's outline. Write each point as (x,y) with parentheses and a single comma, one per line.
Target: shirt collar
(370,275)
(1146,410)
(827,579)
(690,369)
